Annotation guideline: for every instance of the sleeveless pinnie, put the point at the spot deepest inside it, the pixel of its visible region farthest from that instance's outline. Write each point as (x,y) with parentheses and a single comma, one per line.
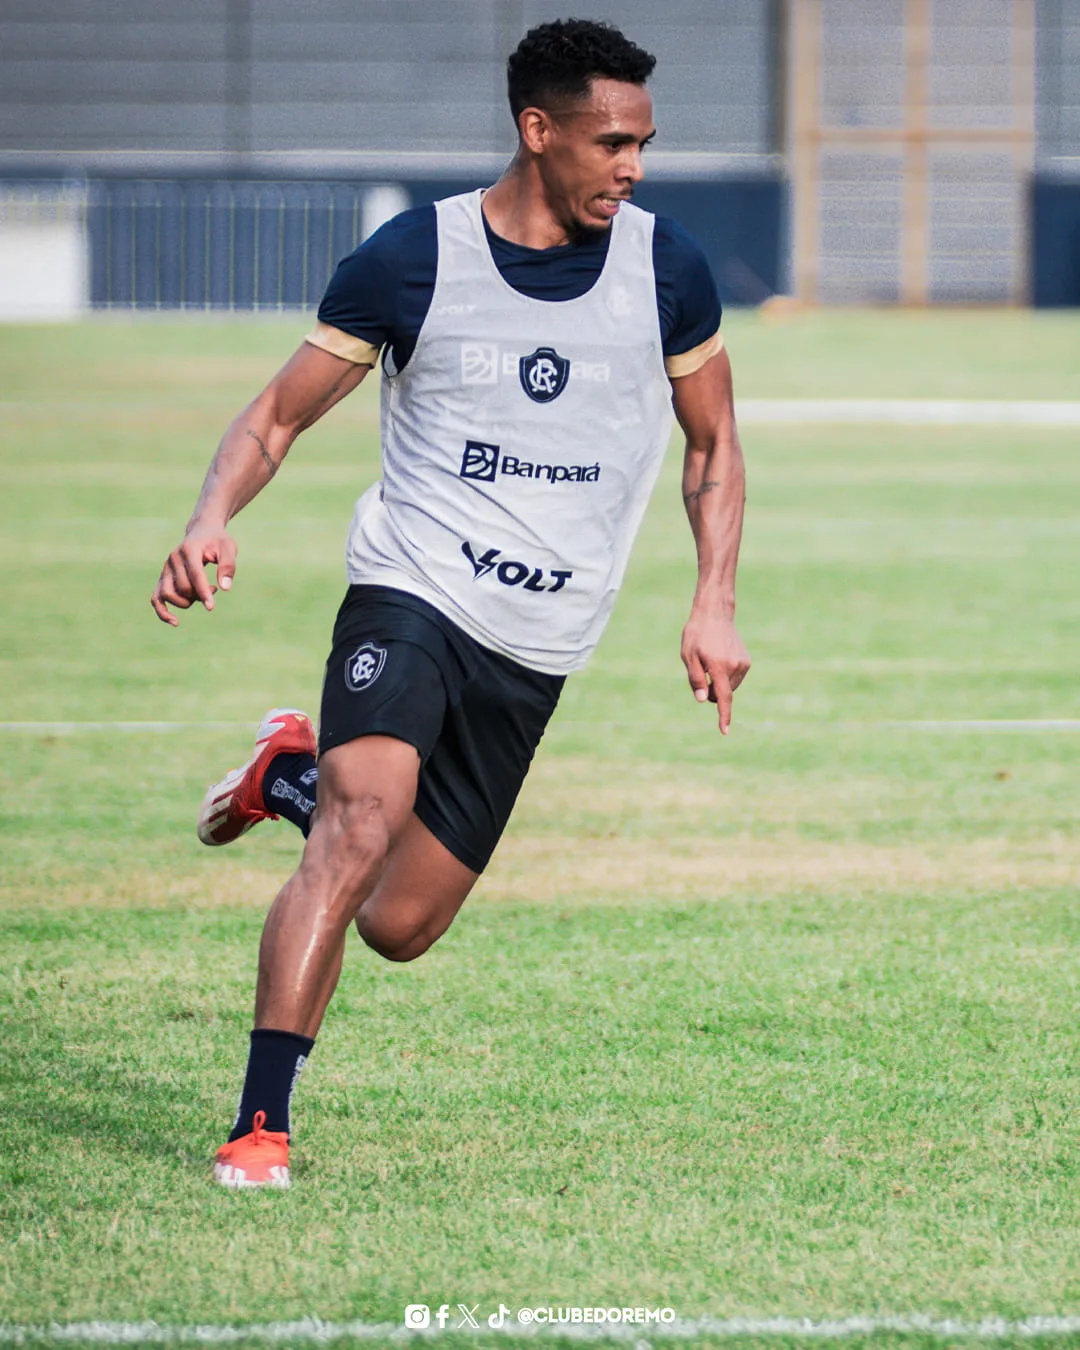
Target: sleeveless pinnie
(520,446)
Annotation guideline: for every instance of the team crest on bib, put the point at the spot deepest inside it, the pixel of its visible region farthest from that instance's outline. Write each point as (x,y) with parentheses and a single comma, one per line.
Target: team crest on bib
(544,374)
(364,667)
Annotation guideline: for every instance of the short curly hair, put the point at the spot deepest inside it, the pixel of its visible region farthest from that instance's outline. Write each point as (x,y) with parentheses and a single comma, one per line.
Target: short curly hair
(556,63)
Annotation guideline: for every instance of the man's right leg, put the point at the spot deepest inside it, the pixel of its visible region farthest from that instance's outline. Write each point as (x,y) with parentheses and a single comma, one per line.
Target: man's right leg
(418,895)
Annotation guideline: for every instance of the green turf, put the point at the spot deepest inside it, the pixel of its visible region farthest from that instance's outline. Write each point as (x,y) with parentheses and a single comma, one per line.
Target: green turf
(782,1025)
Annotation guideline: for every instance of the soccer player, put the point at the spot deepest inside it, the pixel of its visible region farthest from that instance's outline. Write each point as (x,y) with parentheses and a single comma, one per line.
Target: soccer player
(534,339)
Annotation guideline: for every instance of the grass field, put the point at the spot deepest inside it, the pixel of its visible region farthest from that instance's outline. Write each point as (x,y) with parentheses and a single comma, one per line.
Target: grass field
(778,1026)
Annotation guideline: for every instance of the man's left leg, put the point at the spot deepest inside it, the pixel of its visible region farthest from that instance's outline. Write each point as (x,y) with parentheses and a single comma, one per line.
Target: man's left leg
(369,858)
(470,781)
(278,780)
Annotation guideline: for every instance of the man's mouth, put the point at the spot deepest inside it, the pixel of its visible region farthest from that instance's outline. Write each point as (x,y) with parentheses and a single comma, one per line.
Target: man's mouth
(610,203)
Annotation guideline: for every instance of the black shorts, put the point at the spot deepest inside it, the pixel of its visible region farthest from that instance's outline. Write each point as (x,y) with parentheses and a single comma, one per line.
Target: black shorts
(400,668)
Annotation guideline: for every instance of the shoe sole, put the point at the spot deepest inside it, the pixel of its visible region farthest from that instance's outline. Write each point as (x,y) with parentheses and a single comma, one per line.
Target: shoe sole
(235,1178)
(215,805)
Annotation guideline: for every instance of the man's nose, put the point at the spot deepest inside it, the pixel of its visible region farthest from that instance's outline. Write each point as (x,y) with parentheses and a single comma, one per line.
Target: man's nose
(631,168)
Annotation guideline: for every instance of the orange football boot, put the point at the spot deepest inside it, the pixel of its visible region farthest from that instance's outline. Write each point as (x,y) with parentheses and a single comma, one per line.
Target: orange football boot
(260,1158)
(231,807)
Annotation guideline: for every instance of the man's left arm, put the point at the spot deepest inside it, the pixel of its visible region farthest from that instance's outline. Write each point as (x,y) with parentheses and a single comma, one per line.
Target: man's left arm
(714,490)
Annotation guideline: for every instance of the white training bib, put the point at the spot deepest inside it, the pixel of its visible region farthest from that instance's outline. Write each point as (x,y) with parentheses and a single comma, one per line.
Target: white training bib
(520,445)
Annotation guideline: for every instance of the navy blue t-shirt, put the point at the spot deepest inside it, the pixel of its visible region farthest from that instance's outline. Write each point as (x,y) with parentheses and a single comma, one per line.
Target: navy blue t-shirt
(381,292)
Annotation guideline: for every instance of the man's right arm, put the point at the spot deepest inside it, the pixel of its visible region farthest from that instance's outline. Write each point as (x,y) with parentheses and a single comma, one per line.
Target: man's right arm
(250,453)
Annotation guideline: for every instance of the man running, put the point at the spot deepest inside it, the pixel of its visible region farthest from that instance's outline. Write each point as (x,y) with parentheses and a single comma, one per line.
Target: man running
(534,340)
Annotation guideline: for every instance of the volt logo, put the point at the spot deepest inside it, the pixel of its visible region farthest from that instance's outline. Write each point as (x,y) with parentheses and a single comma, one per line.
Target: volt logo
(513,573)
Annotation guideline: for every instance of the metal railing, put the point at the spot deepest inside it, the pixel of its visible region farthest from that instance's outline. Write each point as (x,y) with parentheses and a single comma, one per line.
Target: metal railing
(225,245)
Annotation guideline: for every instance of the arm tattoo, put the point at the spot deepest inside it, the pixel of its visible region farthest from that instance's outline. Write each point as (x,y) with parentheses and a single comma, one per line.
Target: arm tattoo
(270,464)
(691,497)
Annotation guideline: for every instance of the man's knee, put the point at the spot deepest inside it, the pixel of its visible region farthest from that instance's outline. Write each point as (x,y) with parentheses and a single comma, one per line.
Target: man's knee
(394,936)
(352,838)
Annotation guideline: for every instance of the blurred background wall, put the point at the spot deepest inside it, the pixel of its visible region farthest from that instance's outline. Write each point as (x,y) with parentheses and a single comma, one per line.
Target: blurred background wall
(228,152)
(214,78)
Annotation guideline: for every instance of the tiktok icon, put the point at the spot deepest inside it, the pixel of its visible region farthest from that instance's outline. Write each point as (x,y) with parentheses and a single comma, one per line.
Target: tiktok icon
(496,1321)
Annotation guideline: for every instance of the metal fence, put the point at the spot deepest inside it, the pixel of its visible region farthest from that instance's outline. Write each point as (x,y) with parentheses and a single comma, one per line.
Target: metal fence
(225,245)
(176,244)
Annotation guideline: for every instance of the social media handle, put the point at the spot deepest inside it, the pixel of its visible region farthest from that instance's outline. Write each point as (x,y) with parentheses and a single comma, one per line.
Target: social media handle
(418,1316)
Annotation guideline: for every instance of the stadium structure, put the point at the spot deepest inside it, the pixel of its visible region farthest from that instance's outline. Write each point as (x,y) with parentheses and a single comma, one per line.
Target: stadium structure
(227,153)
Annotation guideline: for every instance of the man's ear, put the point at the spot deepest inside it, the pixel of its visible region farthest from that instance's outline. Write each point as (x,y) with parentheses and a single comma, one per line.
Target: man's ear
(535,128)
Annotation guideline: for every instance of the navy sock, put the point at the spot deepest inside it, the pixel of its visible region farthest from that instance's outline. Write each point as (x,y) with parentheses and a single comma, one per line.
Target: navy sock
(274,1063)
(289,789)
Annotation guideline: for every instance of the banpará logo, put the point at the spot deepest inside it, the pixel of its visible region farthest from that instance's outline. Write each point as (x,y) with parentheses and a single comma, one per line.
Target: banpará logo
(513,573)
(479,363)
(592,372)
(481,462)
(544,374)
(364,667)
(487,363)
(554,473)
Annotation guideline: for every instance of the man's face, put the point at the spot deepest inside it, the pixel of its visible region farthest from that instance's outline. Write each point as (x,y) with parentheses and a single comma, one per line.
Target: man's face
(592,154)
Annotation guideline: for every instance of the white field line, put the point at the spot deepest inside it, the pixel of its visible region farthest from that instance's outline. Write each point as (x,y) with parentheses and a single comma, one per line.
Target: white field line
(310,1331)
(991,724)
(75,728)
(909,412)
(904,412)
(957,724)
(962,725)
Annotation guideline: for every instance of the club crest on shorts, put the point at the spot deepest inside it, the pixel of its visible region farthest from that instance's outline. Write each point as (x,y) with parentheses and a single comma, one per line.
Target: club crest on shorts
(544,374)
(364,667)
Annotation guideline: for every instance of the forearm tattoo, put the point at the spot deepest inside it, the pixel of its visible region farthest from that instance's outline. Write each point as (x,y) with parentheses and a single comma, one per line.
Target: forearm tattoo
(270,464)
(707,486)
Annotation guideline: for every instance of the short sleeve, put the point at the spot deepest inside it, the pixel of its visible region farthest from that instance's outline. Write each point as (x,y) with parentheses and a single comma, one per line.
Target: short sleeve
(687,299)
(379,294)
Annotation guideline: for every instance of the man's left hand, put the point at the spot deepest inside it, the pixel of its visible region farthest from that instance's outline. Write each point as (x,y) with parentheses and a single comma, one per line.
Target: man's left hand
(716,662)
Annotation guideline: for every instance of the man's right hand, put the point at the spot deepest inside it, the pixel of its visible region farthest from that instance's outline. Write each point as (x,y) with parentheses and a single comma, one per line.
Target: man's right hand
(184,579)
(249,455)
